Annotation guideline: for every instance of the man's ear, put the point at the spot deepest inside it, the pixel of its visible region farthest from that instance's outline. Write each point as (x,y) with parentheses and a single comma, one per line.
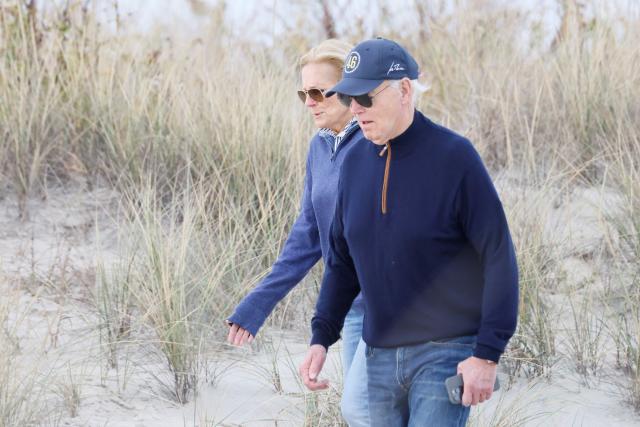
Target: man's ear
(406,90)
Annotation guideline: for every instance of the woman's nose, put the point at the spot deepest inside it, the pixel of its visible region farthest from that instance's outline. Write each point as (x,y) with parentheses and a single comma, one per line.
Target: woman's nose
(309,102)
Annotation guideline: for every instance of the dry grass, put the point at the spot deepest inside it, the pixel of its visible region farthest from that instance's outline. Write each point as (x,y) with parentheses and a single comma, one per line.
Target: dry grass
(209,163)
(533,347)
(624,295)
(22,384)
(512,409)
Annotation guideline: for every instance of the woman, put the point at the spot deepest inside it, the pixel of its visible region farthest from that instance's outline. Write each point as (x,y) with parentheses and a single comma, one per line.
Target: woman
(320,70)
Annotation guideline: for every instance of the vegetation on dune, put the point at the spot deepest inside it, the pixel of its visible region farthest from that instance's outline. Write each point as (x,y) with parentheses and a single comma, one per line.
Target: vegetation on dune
(209,163)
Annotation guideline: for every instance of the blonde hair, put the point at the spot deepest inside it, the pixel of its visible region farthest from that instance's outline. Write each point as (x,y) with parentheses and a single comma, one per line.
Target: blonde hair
(331,51)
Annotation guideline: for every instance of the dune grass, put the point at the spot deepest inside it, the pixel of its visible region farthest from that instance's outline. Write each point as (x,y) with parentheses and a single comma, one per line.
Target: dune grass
(23,385)
(209,163)
(624,295)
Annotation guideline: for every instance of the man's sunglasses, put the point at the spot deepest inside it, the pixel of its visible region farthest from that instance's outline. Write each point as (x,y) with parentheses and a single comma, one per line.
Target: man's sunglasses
(315,94)
(365,100)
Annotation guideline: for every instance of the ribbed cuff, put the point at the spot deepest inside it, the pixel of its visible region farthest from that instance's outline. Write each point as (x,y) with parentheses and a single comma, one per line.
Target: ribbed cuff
(248,318)
(320,337)
(487,353)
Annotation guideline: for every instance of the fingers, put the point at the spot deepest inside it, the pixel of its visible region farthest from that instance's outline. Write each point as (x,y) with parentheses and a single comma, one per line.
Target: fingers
(472,394)
(484,397)
(467,395)
(478,378)
(242,337)
(233,330)
(475,398)
(238,336)
(310,369)
(316,366)
(319,385)
(304,367)
(304,370)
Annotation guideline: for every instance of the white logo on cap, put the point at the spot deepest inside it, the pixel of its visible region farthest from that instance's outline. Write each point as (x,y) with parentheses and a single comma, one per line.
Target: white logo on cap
(395,67)
(352,62)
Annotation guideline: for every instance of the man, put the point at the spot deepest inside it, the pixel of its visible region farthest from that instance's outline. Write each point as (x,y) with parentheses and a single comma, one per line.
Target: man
(419,228)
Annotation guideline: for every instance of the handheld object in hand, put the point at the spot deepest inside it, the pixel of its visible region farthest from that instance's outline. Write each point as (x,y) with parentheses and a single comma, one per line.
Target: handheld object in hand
(455,388)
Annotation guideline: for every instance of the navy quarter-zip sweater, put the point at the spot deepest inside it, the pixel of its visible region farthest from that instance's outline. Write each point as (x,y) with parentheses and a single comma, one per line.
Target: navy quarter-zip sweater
(440,263)
(308,239)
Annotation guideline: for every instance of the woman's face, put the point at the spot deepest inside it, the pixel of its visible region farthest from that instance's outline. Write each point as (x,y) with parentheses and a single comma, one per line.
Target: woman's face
(329,113)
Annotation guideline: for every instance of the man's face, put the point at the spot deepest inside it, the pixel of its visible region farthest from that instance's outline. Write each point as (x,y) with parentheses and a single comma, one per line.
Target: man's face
(380,122)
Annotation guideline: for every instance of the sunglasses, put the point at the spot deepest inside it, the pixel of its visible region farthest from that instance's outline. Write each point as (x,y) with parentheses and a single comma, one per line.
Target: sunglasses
(315,94)
(365,100)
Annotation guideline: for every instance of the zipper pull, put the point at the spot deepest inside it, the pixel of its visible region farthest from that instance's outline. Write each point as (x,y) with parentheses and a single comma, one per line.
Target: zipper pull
(385,183)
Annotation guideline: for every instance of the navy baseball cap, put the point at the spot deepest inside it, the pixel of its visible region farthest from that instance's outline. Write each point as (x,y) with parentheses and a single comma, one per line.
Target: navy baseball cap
(372,62)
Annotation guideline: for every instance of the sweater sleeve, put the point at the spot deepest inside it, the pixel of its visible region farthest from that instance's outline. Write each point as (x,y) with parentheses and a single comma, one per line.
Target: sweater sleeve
(339,287)
(485,225)
(300,253)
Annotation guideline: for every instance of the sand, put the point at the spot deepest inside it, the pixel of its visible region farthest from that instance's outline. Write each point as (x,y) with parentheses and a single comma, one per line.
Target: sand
(47,276)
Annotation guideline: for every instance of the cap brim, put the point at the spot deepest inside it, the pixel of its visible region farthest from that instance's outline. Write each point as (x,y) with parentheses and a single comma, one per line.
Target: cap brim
(353,87)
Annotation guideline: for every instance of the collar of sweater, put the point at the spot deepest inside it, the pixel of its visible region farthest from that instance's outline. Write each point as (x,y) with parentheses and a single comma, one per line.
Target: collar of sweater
(404,143)
(400,146)
(334,137)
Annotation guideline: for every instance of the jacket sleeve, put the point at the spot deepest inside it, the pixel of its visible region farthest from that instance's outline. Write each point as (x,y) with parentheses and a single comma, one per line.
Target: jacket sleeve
(300,253)
(340,284)
(485,225)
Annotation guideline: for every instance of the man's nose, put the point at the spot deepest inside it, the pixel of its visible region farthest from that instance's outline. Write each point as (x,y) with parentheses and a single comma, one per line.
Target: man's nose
(355,107)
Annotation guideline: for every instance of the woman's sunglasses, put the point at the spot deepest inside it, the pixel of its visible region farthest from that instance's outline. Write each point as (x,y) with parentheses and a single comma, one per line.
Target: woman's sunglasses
(315,94)
(365,100)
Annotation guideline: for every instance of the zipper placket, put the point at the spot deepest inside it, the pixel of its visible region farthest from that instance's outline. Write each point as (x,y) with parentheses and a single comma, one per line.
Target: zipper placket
(385,181)
(348,133)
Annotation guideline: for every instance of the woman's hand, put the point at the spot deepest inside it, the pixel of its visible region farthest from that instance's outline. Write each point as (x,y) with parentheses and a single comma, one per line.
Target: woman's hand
(238,336)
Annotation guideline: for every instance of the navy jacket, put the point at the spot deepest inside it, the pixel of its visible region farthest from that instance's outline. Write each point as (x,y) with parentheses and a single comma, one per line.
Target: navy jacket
(440,263)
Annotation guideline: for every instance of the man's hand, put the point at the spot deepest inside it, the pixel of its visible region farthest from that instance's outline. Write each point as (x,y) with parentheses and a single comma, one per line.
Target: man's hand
(479,376)
(311,367)
(238,336)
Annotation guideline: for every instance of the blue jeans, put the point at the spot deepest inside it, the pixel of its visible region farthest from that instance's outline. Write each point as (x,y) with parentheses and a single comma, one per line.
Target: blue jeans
(406,384)
(355,402)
